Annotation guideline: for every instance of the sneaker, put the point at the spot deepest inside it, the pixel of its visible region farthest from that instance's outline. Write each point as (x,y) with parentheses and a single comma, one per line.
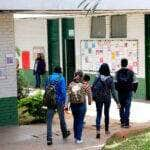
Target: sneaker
(66,134)
(79,141)
(98,135)
(49,142)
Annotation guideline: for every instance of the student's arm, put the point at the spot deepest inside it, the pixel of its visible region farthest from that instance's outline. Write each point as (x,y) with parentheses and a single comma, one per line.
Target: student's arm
(89,94)
(63,90)
(114,94)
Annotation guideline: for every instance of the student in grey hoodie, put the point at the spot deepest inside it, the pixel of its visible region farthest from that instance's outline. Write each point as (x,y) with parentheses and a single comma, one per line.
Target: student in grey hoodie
(102,89)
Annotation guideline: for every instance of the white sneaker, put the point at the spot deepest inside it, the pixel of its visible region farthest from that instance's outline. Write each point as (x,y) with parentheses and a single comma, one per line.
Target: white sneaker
(79,141)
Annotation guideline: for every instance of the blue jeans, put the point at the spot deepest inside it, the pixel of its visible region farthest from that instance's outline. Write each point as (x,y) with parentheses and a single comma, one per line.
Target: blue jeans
(38,79)
(125,102)
(50,115)
(99,108)
(78,111)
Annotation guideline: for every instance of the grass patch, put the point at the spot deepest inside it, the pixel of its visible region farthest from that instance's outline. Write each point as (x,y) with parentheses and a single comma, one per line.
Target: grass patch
(135,141)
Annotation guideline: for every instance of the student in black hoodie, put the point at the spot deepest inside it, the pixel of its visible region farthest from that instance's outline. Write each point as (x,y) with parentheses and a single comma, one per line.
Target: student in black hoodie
(125,85)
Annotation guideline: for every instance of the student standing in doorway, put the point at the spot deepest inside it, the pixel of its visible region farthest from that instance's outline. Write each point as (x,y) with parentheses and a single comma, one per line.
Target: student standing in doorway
(39,69)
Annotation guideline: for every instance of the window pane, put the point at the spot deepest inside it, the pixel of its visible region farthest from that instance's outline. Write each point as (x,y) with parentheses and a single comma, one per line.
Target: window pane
(119,26)
(98,27)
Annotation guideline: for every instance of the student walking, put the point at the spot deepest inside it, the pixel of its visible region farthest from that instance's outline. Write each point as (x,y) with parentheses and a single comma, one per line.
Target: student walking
(39,69)
(125,85)
(77,96)
(102,89)
(55,97)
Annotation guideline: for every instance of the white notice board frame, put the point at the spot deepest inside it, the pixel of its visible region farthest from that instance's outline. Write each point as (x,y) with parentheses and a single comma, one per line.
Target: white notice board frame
(95,52)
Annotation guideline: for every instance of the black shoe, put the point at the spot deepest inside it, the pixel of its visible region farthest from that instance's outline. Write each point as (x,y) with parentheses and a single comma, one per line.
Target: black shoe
(49,142)
(122,125)
(98,135)
(66,134)
(126,126)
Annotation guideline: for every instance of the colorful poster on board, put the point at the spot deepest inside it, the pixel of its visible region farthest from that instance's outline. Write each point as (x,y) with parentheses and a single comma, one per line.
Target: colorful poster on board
(96,52)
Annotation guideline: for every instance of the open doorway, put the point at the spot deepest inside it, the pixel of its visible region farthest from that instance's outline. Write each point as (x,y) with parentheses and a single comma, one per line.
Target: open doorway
(147,55)
(69,59)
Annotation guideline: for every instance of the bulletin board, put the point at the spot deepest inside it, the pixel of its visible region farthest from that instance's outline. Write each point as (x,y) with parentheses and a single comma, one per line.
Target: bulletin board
(96,52)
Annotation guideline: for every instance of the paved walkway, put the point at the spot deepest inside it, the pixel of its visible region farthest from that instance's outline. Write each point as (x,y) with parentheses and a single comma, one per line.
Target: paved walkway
(33,137)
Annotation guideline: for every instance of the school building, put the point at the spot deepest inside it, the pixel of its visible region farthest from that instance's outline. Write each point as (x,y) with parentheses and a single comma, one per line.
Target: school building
(68,37)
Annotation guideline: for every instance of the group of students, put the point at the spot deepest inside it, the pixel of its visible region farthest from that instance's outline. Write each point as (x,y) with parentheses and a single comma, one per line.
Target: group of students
(79,92)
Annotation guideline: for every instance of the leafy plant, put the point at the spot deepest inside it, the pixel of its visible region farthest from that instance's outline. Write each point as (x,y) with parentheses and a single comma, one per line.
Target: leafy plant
(33,105)
(22,85)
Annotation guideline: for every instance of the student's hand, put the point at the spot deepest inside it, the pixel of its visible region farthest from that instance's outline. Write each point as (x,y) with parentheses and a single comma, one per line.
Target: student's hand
(118,105)
(66,108)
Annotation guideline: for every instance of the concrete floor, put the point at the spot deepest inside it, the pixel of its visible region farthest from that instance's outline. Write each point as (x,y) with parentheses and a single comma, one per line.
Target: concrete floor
(33,137)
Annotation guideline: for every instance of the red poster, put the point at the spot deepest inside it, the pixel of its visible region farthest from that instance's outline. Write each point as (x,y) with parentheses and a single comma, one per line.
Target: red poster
(25,60)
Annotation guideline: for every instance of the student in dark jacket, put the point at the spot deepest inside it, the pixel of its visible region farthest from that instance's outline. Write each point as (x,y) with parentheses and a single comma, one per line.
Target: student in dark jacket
(102,89)
(125,84)
(39,69)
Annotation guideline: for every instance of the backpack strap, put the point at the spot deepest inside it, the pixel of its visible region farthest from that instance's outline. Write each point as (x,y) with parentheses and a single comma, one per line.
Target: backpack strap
(96,81)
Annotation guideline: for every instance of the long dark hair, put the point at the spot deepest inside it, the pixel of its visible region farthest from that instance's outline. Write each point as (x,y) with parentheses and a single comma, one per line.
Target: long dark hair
(104,69)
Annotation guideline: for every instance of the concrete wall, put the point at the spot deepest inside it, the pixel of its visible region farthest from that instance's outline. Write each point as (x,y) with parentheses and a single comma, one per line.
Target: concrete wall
(30,33)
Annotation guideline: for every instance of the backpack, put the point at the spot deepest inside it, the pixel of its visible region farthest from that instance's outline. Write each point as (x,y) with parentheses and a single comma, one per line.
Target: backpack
(100,89)
(124,80)
(49,97)
(76,93)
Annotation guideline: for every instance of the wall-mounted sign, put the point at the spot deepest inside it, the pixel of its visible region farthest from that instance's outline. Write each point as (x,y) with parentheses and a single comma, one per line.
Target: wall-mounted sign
(26,60)
(2,58)
(71,33)
(9,59)
(3,73)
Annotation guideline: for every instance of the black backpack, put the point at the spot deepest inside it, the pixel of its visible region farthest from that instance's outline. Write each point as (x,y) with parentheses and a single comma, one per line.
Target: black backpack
(124,80)
(100,89)
(49,98)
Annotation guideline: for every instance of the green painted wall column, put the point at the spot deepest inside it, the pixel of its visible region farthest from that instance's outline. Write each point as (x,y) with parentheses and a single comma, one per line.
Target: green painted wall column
(8,111)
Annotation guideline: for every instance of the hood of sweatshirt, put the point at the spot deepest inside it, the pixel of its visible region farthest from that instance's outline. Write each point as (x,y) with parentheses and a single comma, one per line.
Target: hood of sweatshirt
(104,78)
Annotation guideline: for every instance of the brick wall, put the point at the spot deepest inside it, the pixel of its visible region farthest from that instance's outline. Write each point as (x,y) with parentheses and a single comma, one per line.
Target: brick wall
(135,30)
(8,85)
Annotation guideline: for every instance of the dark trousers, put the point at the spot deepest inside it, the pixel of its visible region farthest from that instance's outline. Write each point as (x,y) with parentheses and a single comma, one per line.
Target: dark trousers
(38,80)
(99,108)
(50,115)
(125,102)
(78,111)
